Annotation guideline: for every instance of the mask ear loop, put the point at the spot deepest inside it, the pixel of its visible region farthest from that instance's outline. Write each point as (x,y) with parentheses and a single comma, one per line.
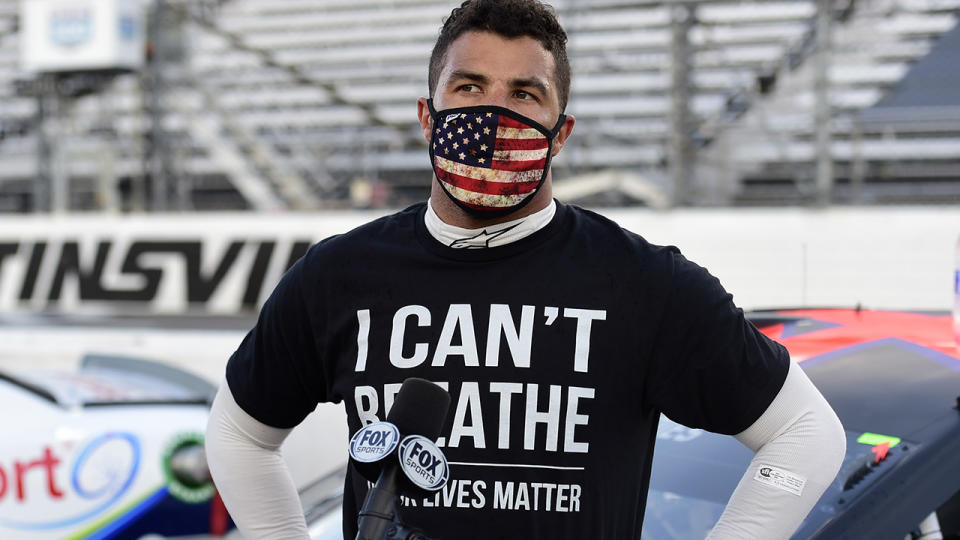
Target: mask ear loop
(553,135)
(556,128)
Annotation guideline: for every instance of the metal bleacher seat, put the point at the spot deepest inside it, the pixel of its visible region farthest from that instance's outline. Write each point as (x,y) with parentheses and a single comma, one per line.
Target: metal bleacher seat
(872,51)
(16,113)
(372,55)
(302,96)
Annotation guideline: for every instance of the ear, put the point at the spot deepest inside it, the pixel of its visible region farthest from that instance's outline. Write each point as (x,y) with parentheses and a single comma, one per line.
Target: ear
(565,130)
(426,121)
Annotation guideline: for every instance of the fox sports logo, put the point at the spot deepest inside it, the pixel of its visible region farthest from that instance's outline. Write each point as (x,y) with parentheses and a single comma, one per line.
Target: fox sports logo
(423,462)
(374,442)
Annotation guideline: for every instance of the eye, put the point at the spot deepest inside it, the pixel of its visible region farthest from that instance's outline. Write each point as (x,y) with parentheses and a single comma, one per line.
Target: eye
(470,88)
(520,94)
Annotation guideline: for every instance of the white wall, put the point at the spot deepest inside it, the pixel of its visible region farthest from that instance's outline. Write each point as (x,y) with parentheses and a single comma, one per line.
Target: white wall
(882,257)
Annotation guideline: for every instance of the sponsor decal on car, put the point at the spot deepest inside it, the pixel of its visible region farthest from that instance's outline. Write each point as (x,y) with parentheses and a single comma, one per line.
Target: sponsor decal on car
(101,473)
(193,490)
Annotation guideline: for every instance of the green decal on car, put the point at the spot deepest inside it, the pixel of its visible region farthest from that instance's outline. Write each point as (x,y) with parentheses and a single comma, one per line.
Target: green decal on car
(874,439)
(185,469)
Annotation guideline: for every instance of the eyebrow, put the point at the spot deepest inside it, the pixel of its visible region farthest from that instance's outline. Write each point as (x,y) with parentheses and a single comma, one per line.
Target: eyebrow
(523,82)
(530,82)
(469,75)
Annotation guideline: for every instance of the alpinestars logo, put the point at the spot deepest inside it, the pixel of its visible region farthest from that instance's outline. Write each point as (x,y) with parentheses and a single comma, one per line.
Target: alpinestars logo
(481,240)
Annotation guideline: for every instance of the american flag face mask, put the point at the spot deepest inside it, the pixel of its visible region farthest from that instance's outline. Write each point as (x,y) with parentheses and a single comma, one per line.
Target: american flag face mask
(490,160)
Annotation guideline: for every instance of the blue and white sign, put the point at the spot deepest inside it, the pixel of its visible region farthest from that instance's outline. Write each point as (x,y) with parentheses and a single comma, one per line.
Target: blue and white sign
(81,35)
(374,442)
(71,27)
(423,462)
(128,29)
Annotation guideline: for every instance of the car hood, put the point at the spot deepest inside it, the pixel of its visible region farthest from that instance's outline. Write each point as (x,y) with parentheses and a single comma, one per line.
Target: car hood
(113,380)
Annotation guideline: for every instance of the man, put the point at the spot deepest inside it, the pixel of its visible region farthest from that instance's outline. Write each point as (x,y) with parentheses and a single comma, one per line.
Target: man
(560,336)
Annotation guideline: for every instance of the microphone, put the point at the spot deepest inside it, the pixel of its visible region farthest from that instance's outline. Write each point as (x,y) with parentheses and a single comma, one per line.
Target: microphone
(417,414)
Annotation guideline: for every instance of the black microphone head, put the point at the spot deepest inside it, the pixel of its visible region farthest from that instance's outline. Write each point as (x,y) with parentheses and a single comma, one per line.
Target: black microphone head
(420,408)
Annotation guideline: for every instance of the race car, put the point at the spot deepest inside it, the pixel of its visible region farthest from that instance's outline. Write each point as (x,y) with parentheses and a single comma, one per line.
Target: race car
(111,450)
(894,380)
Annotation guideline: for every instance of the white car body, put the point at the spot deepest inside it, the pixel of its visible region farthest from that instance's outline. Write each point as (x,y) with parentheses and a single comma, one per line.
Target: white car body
(89,453)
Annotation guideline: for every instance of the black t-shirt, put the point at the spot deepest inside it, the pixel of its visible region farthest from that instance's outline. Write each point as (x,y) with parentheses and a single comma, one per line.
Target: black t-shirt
(559,350)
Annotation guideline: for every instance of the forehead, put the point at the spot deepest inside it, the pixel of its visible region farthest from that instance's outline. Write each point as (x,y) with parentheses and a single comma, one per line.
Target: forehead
(499,57)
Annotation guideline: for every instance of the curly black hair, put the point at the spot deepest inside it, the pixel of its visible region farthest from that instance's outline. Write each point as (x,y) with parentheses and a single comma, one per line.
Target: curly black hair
(510,19)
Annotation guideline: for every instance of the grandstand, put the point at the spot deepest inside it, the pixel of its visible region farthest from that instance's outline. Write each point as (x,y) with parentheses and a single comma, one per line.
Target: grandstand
(307,104)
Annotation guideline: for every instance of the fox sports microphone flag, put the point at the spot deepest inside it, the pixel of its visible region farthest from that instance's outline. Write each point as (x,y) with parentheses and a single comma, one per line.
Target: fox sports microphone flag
(488,159)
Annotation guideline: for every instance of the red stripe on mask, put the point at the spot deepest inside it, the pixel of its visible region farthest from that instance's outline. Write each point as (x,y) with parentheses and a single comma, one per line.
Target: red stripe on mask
(518,165)
(488,188)
(521,144)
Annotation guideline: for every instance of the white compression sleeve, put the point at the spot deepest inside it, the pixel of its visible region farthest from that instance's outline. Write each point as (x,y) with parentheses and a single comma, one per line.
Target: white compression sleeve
(250,474)
(798,439)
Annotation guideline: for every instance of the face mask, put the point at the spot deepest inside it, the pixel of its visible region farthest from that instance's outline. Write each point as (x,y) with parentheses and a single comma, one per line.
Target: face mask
(490,160)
